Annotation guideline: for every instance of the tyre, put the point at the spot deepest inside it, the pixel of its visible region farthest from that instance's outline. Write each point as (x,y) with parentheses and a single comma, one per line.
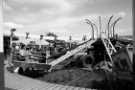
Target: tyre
(20,71)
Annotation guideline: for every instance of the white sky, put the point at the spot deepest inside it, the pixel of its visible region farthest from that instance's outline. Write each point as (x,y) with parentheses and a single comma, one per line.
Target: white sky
(64,17)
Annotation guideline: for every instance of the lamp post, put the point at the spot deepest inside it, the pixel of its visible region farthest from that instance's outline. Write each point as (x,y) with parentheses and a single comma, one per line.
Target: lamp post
(11,36)
(70,40)
(11,48)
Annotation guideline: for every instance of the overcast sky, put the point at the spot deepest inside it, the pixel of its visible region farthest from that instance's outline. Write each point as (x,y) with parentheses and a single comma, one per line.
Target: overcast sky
(65,17)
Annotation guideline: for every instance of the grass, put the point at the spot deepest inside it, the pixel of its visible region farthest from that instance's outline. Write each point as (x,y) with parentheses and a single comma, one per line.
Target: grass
(73,77)
(81,78)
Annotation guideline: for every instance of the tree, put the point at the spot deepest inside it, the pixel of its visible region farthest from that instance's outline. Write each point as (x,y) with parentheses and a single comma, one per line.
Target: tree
(41,37)
(70,38)
(51,34)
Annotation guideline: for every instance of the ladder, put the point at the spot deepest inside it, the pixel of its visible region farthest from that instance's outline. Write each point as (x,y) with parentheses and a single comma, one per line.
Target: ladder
(71,53)
(109,47)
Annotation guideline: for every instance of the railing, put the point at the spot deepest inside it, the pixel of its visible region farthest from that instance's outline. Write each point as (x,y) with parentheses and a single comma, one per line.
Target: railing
(109,47)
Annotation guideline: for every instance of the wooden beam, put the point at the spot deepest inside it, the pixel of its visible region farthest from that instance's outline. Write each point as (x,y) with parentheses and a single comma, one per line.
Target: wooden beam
(133,8)
(1,50)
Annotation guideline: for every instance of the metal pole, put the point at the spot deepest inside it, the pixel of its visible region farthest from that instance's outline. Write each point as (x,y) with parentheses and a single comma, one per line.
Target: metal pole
(91,24)
(11,48)
(133,35)
(70,39)
(92,31)
(113,25)
(109,25)
(96,28)
(1,49)
(100,26)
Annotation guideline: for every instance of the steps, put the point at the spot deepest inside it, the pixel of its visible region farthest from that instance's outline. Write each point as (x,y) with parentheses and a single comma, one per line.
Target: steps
(109,47)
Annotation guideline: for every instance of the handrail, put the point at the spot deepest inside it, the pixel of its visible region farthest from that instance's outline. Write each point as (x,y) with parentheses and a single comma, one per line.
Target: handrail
(109,47)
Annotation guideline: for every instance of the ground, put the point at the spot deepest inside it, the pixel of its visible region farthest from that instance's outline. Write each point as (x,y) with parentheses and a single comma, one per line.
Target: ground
(17,82)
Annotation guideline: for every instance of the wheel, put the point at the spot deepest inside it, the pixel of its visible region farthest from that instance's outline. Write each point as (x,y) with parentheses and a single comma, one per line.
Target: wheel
(27,71)
(20,71)
(30,72)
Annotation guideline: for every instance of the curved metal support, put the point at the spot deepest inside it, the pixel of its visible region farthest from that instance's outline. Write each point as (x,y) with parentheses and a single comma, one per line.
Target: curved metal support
(91,24)
(109,25)
(113,25)
(96,28)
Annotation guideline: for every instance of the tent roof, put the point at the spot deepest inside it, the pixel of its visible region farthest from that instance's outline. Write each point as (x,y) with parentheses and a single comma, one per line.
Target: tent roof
(42,42)
(27,41)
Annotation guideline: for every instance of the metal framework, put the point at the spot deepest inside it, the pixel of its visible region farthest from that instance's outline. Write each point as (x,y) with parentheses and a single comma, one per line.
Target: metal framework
(91,24)
(109,26)
(113,25)
(109,47)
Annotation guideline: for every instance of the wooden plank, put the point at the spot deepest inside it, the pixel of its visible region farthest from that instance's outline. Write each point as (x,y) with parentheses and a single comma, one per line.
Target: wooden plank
(1,49)
(133,36)
(52,87)
(70,88)
(59,87)
(63,87)
(1,71)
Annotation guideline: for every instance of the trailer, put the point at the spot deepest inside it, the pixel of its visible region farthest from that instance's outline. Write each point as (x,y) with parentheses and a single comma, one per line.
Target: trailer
(32,57)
